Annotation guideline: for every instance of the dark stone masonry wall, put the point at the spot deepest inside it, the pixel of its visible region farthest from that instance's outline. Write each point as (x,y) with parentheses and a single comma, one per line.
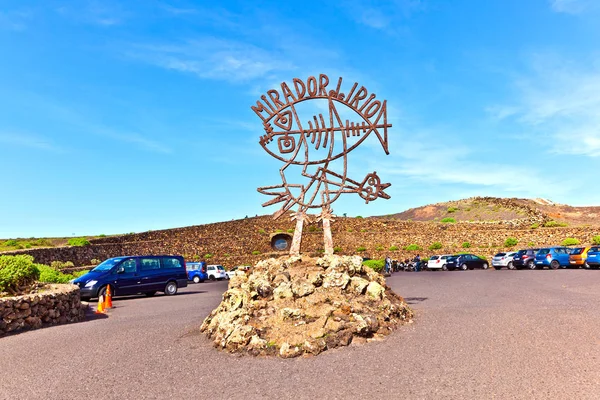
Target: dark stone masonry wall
(234,242)
(58,304)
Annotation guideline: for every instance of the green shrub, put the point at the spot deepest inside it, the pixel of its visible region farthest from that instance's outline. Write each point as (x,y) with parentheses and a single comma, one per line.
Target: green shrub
(262,232)
(510,242)
(554,224)
(376,265)
(379,248)
(27,245)
(312,228)
(448,220)
(394,248)
(226,255)
(17,272)
(278,230)
(413,247)
(291,230)
(361,249)
(530,244)
(208,255)
(255,252)
(337,249)
(102,235)
(466,245)
(570,242)
(11,243)
(77,274)
(452,209)
(436,246)
(535,226)
(78,242)
(95,261)
(349,230)
(358,217)
(42,243)
(51,275)
(596,240)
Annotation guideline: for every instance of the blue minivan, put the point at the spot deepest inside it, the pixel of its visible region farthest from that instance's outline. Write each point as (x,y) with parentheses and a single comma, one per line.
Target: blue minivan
(134,274)
(552,257)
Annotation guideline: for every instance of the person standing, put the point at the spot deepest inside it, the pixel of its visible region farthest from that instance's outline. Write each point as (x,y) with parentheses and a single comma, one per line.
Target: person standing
(417,261)
(388,264)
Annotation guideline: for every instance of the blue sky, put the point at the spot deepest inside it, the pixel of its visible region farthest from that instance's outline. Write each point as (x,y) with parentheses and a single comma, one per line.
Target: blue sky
(132,116)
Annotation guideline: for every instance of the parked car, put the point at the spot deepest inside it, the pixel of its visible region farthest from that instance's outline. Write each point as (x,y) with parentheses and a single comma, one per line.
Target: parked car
(438,262)
(525,259)
(466,261)
(134,274)
(578,256)
(504,260)
(216,272)
(552,257)
(196,271)
(593,257)
(241,269)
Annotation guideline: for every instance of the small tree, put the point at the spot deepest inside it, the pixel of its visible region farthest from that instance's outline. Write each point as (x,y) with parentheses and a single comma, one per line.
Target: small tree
(596,240)
(413,247)
(570,242)
(510,242)
(435,246)
(466,245)
(448,220)
(394,248)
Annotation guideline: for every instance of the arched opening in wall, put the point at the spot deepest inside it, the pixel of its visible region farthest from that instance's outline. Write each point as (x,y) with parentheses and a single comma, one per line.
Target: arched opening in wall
(281,242)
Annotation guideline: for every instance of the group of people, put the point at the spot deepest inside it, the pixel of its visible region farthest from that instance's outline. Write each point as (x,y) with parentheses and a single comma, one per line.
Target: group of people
(407,264)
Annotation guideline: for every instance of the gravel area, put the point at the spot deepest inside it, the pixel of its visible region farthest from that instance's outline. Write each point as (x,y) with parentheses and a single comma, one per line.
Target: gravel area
(477,335)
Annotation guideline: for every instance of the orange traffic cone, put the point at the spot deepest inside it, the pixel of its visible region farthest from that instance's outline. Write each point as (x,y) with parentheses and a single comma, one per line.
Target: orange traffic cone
(100,309)
(108,299)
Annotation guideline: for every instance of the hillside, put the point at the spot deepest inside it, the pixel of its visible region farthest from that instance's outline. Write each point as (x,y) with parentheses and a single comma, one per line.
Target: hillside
(502,209)
(248,240)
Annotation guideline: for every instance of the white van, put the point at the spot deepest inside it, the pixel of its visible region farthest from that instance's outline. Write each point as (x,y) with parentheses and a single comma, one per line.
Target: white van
(216,272)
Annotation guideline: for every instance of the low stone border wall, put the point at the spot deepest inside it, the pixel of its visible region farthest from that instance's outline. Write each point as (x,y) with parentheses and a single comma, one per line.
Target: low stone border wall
(58,304)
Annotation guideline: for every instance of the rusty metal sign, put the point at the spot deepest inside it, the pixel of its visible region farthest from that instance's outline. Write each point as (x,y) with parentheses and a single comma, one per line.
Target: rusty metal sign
(319,148)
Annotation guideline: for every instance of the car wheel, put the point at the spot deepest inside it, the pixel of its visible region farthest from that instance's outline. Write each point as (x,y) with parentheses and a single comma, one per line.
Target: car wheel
(463,267)
(485,266)
(212,277)
(196,279)
(444,267)
(102,292)
(554,264)
(531,265)
(171,288)
(149,294)
(510,265)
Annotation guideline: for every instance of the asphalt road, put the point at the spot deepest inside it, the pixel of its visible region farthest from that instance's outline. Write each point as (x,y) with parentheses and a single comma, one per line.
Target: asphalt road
(477,335)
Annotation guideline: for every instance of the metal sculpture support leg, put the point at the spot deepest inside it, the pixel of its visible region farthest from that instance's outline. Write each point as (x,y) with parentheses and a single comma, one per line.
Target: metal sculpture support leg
(327,217)
(300,217)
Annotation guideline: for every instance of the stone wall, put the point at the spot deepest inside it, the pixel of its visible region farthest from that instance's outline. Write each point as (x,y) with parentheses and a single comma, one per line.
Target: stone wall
(233,242)
(58,304)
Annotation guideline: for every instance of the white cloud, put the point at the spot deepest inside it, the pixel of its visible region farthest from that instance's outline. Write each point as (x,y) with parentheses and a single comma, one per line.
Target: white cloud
(214,58)
(573,6)
(26,140)
(559,102)
(382,14)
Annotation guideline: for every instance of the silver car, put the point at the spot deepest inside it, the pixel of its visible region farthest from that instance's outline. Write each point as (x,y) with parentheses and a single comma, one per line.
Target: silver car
(504,260)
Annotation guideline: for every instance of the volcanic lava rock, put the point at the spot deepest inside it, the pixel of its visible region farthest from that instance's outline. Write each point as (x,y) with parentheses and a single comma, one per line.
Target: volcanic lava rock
(298,305)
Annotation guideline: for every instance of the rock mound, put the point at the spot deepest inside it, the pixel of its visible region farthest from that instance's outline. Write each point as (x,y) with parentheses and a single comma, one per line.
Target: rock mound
(295,305)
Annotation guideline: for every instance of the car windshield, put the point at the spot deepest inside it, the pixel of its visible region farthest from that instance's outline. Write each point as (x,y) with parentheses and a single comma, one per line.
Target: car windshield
(107,265)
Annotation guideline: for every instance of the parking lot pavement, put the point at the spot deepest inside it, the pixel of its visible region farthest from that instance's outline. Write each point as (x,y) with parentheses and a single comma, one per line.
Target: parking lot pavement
(477,334)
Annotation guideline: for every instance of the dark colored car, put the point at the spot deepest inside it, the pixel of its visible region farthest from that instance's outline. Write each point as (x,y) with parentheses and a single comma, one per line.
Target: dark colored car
(593,257)
(196,271)
(525,259)
(466,261)
(134,274)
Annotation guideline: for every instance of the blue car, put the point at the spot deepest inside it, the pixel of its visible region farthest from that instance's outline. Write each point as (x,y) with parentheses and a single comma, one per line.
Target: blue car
(196,271)
(593,257)
(132,275)
(552,257)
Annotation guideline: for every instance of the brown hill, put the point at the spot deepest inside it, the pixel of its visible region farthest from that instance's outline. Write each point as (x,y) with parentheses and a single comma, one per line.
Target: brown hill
(502,209)
(246,241)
